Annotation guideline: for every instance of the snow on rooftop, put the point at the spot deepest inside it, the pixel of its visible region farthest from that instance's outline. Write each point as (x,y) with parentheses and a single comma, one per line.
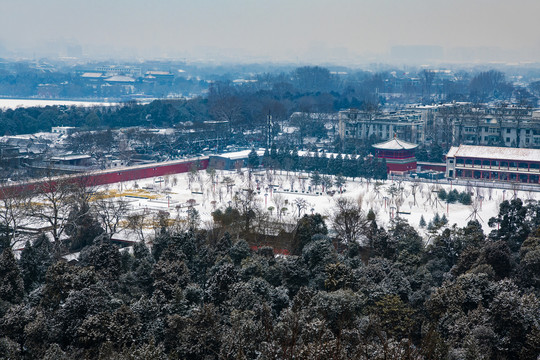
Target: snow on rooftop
(495,152)
(395,144)
(70,157)
(120,78)
(239,154)
(452,151)
(92,75)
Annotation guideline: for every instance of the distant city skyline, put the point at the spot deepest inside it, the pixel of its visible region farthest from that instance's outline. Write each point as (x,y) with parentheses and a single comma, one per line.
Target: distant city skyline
(340,31)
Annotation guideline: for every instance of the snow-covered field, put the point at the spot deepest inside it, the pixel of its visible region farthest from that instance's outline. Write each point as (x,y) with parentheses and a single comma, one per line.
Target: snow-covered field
(15,103)
(172,193)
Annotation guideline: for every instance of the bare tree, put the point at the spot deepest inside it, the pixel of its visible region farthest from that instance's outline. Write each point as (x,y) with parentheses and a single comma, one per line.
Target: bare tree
(13,205)
(137,223)
(245,203)
(301,204)
(348,219)
(279,201)
(109,212)
(52,201)
(414,189)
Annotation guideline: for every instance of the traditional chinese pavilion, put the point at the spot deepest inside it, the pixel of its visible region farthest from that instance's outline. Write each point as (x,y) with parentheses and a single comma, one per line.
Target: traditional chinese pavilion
(399,155)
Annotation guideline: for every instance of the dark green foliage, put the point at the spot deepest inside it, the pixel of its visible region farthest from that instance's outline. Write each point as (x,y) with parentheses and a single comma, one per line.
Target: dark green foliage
(514,222)
(306,227)
(35,260)
(253,159)
(104,258)
(196,297)
(239,251)
(422,222)
(82,228)
(453,195)
(11,281)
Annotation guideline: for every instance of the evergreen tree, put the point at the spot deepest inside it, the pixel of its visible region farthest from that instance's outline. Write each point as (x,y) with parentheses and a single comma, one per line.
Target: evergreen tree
(338,165)
(316,180)
(436,219)
(274,156)
(444,220)
(422,222)
(295,159)
(253,159)
(381,171)
(339,182)
(314,165)
(330,165)
(349,167)
(35,260)
(322,164)
(11,282)
(266,160)
(360,167)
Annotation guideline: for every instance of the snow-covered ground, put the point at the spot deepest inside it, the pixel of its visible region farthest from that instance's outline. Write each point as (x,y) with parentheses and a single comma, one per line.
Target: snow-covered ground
(175,193)
(172,193)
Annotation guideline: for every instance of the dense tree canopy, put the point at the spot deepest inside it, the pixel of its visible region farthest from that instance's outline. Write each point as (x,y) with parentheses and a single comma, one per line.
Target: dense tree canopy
(376,296)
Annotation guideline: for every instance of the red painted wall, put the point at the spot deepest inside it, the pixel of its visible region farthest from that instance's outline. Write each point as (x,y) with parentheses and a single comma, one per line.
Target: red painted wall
(401,167)
(111,176)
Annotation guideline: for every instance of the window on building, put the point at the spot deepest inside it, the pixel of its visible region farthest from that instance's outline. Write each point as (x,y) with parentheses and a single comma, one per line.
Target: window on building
(507,139)
(477,162)
(508,131)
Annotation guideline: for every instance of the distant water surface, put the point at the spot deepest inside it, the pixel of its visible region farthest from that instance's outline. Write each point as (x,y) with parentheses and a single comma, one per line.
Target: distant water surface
(15,103)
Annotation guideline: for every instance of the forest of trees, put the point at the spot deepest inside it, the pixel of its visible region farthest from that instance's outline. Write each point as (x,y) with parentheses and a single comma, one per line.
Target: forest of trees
(360,292)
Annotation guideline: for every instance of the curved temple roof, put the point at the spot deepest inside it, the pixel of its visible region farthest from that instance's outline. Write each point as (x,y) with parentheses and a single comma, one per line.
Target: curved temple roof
(395,144)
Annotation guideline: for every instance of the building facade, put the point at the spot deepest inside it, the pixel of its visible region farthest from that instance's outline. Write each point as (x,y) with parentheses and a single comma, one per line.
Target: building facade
(491,163)
(479,124)
(361,125)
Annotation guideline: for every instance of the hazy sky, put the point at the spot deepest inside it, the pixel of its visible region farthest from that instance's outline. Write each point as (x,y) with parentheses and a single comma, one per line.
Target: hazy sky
(272,28)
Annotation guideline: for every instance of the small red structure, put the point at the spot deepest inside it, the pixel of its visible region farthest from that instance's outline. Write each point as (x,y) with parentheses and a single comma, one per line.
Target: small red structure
(399,155)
